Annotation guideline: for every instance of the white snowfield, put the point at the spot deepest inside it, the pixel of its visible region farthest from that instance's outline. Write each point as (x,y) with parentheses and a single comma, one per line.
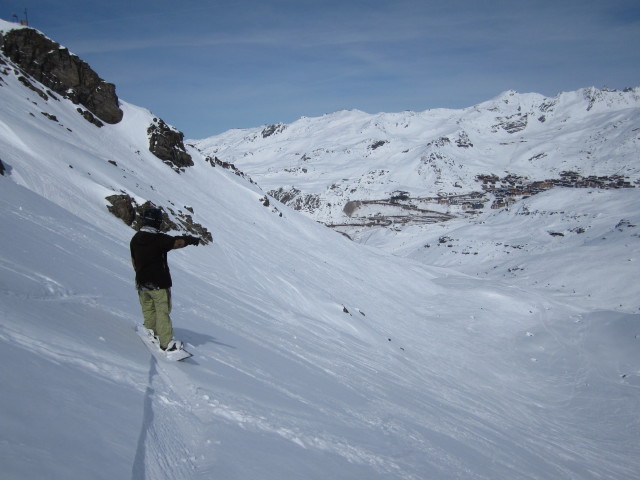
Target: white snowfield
(314,357)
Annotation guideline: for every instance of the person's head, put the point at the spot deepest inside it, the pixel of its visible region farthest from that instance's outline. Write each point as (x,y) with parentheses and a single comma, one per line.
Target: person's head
(152,217)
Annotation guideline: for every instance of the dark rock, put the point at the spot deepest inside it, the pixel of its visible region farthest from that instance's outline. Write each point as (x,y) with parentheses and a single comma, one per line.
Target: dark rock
(378,144)
(297,200)
(30,86)
(122,207)
(88,116)
(50,116)
(194,228)
(167,144)
(273,129)
(213,161)
(64,73)
(463,140)
(126,209)
(513,124)
(624,224)
(440,142)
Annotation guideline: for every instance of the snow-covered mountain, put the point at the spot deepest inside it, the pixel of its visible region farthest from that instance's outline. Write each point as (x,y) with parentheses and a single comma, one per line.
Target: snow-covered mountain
(464,353)
(355,171)
(446,186)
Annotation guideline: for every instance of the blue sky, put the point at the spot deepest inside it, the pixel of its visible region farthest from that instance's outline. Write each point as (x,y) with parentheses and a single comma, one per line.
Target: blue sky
(209,66)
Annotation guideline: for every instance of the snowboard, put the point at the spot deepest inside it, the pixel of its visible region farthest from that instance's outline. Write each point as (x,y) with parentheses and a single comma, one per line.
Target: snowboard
(152,344)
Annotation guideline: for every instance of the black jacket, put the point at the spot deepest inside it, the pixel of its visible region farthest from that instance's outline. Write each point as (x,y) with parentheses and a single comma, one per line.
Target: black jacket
(149,257)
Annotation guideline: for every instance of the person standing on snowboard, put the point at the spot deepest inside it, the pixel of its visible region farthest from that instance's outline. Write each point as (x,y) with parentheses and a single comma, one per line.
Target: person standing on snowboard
(149,248)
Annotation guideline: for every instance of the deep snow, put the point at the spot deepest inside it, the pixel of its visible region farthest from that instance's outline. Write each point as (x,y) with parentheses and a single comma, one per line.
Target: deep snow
(314,357)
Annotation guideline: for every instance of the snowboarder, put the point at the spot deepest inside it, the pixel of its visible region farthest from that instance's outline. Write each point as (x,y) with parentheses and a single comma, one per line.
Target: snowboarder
(149,249)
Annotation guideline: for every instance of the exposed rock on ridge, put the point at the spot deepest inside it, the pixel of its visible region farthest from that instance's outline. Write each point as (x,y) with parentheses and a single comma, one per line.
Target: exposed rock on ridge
(297,200)
(127,209)
(167,144)
(64,73)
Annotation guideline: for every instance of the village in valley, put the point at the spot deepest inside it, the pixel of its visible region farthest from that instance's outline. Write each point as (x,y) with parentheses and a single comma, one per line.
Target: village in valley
(497,192)
(509,189)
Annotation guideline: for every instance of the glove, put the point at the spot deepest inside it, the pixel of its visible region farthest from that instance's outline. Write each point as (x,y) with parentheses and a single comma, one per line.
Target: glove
(188,240)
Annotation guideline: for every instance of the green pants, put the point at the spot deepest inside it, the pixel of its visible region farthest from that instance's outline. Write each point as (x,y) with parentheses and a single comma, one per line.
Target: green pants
(156,307)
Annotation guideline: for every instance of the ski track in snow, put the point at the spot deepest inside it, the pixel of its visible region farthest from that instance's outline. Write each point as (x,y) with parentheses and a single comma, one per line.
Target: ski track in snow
(163,451)
(209,409)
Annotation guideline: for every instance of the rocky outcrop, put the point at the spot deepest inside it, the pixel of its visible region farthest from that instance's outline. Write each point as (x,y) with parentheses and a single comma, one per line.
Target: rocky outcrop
(127,209)
(122,207)
(64,73)
(297,200)
(167,144)
(273,129)
(378,144)
(213,161)
(463,140)
(512,124)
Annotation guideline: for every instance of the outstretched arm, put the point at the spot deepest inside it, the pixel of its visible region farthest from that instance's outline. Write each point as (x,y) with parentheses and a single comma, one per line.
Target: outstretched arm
(181,242)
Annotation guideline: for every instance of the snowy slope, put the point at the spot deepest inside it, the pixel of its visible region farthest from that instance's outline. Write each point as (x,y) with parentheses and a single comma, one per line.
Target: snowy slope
(314,357)
(574,243)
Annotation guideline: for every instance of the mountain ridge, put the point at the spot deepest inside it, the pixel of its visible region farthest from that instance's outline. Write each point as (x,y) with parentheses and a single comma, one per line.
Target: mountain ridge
(320,165)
